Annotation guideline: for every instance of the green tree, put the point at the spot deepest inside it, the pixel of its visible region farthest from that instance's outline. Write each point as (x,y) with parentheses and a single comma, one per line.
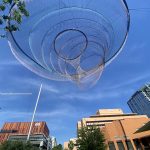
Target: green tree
(17,145)
(70,145)
(11,11)
(58,147)
(90,138)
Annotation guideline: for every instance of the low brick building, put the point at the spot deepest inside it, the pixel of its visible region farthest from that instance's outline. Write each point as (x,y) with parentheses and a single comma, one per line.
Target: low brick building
(19,130)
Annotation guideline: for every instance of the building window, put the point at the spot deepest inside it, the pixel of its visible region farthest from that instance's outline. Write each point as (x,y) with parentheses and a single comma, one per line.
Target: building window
(120,145)
(111,146)
(129,145)
(137,145)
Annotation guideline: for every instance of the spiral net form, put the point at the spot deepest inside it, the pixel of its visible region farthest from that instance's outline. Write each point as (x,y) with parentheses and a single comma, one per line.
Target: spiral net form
(71,40)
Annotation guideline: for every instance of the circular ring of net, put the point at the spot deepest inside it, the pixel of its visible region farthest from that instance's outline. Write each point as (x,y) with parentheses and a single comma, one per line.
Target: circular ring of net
(65,51)
(71,40)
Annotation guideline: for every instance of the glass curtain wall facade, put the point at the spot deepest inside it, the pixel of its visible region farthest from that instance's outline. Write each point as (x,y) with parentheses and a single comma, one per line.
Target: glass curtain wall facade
(140,101)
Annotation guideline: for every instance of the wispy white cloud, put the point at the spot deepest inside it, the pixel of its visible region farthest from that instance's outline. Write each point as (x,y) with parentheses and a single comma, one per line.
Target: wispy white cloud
(5,64)
(60,112)
(108,91)
(102,95)
(14,94)
(9,63)
(50,88)
(36,83)
(132,53)
(130,82)
(134,47)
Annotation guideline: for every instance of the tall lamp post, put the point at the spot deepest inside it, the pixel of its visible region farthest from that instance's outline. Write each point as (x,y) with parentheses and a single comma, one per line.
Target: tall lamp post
(38,98)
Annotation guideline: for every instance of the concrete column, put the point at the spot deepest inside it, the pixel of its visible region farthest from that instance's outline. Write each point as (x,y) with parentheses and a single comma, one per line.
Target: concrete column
(124,144)
(133,144)
(116,145)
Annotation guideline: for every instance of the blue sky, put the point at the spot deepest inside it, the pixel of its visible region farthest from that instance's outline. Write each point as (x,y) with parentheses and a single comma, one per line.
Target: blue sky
(62,104)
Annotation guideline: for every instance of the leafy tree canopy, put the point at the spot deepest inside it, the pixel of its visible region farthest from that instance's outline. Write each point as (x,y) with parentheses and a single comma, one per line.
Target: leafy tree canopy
(17,145)
(71,145)
(18,10)
(58,147)
(90,138)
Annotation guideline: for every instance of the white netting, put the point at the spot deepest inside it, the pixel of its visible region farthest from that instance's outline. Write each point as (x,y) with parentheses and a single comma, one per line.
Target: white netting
(71,39)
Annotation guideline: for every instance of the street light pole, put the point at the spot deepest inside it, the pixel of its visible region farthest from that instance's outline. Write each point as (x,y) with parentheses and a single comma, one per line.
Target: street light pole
(38,98)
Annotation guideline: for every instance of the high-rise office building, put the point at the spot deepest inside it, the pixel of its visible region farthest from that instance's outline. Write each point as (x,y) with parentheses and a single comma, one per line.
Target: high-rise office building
(140,101)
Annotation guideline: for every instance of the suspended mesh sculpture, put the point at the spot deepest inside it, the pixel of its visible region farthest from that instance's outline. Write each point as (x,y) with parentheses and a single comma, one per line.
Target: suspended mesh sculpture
(70,39)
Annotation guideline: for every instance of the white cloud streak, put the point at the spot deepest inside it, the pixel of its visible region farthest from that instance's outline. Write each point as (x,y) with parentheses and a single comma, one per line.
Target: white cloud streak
(36,83)
(112,91)
(130,82)
(63,112)
(14,94)
(95,96)
(9,63)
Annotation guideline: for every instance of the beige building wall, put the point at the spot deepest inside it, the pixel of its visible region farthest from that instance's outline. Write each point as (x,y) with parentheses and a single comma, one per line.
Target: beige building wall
(66,144)
(109,112)
(119,128)
(101,120)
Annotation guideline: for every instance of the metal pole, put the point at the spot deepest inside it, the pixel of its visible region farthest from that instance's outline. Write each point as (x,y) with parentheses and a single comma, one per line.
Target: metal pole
(38,98)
